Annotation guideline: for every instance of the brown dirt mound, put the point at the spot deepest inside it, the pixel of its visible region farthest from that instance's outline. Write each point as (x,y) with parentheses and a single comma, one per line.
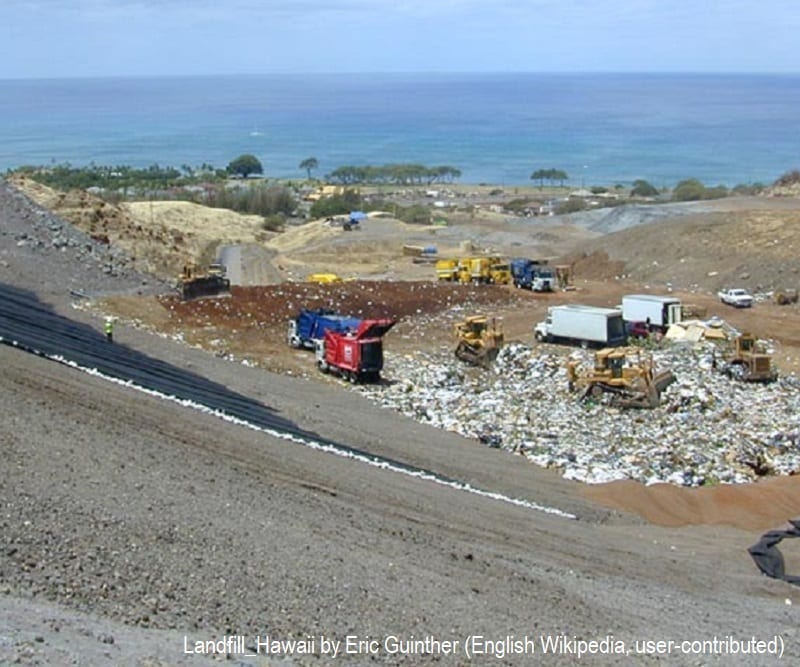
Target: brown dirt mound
(268,305)
(759,506)
(595,265)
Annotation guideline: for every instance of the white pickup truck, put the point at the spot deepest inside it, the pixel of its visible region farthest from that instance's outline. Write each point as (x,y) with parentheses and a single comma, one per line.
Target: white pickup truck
(740,298)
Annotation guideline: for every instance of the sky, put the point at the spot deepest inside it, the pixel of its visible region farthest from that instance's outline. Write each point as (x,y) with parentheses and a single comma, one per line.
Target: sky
(69,38)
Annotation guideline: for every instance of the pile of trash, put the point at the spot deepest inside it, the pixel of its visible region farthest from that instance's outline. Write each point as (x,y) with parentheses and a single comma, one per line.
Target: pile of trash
(708,429)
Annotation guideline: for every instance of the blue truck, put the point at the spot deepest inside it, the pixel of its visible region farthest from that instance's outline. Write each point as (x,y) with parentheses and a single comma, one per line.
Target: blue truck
(311,325)
(533,275)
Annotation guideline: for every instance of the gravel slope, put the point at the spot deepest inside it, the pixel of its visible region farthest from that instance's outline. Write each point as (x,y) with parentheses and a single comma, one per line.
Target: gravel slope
(128,517)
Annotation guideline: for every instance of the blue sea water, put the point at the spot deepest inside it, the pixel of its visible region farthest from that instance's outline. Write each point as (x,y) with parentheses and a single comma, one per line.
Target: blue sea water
(495,128)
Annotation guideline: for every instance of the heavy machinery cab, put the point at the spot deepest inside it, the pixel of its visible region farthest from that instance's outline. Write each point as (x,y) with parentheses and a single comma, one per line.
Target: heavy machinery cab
(615,364)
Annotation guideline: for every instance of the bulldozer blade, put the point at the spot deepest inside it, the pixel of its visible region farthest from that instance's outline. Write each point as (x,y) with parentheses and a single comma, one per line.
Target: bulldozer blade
(206,286)
(663,380)
(489,355)
(476,357)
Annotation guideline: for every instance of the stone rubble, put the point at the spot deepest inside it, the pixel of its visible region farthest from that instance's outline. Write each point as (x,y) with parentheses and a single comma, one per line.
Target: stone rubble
(708,429)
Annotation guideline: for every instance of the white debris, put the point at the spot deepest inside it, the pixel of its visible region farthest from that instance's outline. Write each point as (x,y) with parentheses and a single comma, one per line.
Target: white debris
(709,428)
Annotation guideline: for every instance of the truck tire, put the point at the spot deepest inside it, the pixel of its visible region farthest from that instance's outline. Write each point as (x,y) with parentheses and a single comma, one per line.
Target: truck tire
(538,336)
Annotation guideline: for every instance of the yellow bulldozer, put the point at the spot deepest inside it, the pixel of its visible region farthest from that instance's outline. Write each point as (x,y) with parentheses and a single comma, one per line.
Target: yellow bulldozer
(747,360)
(627,375)
(195,283)
(479,340)
(784,297)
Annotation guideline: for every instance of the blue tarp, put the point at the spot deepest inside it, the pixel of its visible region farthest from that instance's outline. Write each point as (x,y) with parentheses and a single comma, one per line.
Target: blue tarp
(355,216)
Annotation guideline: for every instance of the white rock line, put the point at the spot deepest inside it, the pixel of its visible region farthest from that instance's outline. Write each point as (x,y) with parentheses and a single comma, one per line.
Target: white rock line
(313,444)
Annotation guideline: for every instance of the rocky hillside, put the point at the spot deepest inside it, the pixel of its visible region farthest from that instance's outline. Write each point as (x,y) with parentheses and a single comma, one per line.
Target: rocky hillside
(756,249)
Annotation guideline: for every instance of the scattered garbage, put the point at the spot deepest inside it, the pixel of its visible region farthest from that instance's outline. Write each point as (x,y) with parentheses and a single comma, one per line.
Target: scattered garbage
(709,428)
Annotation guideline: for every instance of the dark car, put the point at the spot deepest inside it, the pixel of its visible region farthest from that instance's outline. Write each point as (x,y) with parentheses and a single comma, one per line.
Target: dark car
(638,330)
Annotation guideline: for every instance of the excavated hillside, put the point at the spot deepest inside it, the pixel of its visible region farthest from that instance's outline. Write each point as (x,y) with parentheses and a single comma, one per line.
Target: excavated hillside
(754,247)
(158,236)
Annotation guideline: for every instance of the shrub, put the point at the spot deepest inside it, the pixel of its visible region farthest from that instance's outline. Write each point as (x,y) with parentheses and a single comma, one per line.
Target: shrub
(274,222)
(642,188)
(717,192)
(416,214)
(520,205)
(571,205)
(348,201)
(689,190)
(789,178)
(748,189)
(265,200)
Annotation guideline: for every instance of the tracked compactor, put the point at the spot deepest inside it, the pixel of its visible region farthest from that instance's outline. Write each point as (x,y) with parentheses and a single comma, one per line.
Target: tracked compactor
(195,283)
(628,375)
(479,340)
(748,360)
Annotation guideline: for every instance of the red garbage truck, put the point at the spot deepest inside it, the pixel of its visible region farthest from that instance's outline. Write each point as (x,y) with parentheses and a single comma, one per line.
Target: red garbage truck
(355,355)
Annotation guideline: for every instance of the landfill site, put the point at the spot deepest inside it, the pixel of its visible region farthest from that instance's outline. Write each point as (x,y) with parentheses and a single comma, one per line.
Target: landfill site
(364,441)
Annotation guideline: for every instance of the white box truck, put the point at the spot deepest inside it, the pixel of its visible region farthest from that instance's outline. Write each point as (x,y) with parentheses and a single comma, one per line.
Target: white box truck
(582,325)
(659,312)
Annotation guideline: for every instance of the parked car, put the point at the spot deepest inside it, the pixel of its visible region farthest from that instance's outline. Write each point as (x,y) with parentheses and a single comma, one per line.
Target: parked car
(637,329)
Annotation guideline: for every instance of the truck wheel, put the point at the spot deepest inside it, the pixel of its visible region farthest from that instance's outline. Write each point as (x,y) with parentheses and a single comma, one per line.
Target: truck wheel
(294,341)
(322,366)
(538,336)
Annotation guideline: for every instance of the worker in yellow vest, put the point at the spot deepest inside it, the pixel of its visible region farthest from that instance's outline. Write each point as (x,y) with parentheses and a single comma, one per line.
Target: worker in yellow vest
(109,329)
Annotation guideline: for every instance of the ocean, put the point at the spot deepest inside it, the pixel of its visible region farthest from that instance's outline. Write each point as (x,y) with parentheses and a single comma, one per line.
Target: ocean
(601,129)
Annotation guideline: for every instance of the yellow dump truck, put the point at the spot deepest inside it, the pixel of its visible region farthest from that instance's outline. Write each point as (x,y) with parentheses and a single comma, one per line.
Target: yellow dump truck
(474,270)
(447,270)
(323,278)
(499,271)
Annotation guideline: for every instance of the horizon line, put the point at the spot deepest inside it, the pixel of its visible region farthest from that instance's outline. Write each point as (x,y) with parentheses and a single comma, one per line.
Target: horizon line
(395,73)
